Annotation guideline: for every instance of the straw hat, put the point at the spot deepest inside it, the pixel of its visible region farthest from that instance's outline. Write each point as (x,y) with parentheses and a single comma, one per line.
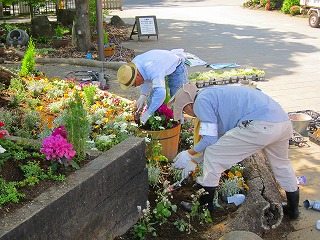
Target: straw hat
(127,75)
(185,95)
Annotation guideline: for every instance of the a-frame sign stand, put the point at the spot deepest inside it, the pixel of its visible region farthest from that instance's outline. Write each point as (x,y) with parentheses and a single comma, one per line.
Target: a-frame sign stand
(145,26)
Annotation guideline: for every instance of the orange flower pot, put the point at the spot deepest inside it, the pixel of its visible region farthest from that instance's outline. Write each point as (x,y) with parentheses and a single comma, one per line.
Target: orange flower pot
(109,51)
(168,138)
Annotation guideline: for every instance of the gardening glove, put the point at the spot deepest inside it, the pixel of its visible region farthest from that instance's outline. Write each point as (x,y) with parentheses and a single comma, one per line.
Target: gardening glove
(198,157)
(191,166)
(144,117)
(140,102)
(181,160)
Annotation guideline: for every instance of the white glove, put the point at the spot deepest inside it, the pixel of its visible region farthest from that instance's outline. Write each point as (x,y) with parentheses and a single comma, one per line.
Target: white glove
(199,159)
(140,102)
(144,117)
(181,160)
(191,166)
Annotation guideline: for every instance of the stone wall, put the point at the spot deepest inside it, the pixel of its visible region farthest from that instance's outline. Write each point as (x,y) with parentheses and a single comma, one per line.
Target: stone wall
(98,201)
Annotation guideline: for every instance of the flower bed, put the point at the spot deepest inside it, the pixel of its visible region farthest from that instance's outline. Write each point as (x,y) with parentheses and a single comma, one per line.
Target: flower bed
(109,187)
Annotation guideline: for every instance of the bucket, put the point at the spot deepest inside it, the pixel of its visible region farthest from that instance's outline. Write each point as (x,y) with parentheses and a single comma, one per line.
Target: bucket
(169,139)
(300,122)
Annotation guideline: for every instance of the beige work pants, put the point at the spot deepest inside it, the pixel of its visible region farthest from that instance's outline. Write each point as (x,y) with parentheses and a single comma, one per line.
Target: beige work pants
(243,141)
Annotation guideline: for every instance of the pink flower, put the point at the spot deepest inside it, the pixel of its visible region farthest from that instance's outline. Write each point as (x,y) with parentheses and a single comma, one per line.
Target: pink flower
(163,109)
(57,147)
(60,131)
(3,133)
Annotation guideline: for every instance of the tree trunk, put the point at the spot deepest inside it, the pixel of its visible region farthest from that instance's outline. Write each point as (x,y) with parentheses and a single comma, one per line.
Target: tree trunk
(1,9)
(31,12)
(82,26)
(262,209)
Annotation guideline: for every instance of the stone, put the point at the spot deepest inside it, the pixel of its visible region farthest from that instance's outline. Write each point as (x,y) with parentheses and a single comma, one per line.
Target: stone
(41,27)
(117,21)
(240,235)
(66,16)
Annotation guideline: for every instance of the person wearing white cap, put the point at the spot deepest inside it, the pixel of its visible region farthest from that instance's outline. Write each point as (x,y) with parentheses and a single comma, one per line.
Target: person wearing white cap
(235,122)
(149,70)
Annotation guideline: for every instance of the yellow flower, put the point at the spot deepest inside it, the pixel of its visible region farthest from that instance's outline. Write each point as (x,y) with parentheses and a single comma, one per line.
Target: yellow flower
(39,108)
(96,126)
(246,186)
(230,175)
(239,174)
(109,112)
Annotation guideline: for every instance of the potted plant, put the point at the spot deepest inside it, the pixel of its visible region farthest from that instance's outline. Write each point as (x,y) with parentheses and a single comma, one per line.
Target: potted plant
(161,128)
(108,48)
(59,39)
(233,76)
(219,78)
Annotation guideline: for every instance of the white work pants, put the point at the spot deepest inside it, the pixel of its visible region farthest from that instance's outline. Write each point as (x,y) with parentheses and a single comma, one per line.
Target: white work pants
(243,141)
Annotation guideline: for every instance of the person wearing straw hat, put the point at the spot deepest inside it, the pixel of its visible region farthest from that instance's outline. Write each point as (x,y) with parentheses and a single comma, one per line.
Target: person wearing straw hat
(150,70)
(235,122)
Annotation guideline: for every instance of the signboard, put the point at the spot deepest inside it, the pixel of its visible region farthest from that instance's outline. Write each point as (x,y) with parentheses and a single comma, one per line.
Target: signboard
(146,26)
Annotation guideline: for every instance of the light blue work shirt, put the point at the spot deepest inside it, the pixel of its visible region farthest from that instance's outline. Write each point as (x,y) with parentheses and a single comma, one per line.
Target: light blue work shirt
(154,66)
(228,106)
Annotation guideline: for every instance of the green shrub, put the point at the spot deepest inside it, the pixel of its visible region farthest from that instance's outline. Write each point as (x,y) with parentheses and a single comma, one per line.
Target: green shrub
(28,61)
(77,125)
(287,4)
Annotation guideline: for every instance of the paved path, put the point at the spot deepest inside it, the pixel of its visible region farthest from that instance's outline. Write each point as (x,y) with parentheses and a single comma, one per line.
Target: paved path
(220,31)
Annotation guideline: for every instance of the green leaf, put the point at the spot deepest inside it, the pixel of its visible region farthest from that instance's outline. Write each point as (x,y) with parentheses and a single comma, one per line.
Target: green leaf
(74,164)
(54,166)
(166,212)
(174,208)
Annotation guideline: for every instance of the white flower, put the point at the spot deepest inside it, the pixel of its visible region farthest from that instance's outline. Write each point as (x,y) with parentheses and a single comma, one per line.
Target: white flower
(107,138)
(139,208)
(158,118)
(2,150)
(134,124)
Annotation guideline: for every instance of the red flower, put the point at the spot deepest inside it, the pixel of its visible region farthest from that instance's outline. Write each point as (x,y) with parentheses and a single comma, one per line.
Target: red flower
(1,124)
(163,109)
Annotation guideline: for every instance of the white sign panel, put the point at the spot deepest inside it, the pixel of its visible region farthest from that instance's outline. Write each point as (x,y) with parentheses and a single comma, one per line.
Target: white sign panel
(147,26)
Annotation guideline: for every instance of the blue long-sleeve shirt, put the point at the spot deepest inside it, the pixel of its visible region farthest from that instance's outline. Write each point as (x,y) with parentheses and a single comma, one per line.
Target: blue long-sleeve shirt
(154,66)
(228,106)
